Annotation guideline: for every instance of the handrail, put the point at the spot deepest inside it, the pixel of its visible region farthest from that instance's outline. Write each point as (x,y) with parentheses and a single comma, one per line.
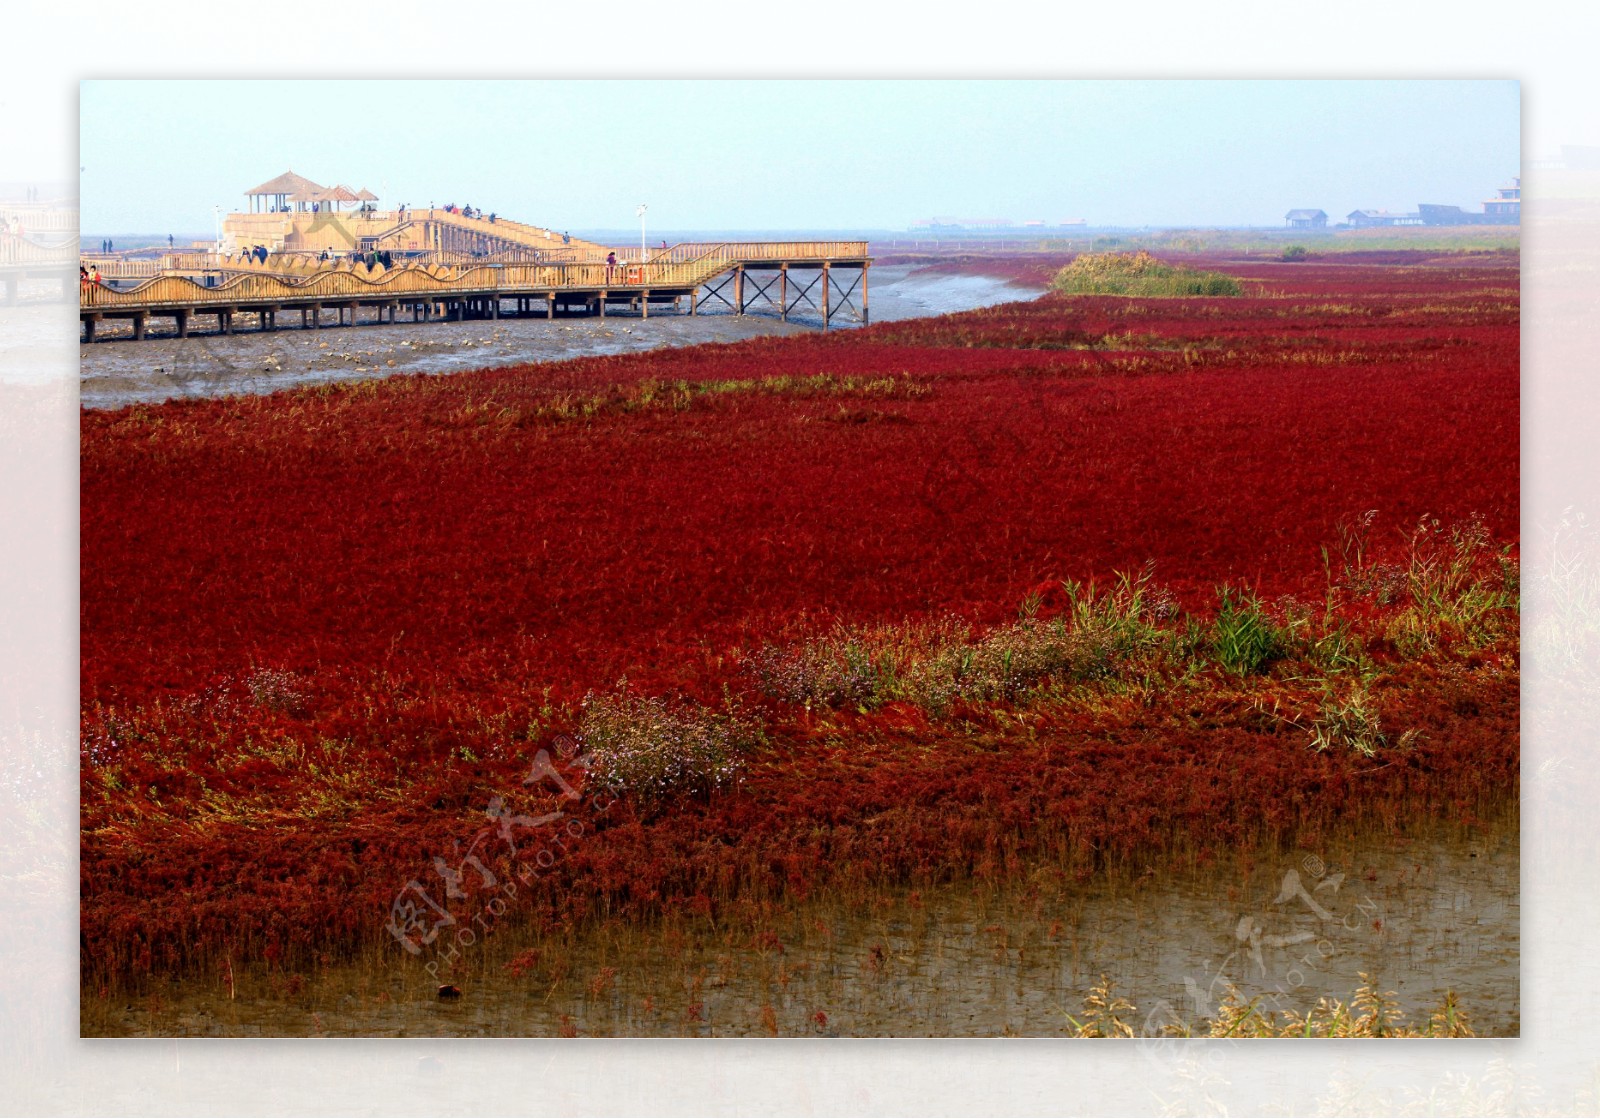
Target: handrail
(40,218)
(20,250)
(534,236)
(174,290)
(682,266)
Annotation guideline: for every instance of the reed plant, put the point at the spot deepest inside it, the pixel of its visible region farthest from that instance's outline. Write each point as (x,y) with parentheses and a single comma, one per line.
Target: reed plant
(1141,274)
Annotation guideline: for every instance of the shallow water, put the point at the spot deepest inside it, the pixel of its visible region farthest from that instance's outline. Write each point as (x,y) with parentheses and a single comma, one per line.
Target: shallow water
(1421,917)
(121,372)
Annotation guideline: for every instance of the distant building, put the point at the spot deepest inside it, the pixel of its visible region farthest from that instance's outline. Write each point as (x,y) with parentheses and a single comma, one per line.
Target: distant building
(1306,219)
(1434,213)
(1506,209)
(1367,219)
(965,223)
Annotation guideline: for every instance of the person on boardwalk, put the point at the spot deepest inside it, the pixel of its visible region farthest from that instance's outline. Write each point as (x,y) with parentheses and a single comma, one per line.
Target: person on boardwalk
(611,264)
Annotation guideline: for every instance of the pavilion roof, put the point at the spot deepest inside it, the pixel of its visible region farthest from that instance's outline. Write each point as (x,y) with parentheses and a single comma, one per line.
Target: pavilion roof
(287,183)
(366,195)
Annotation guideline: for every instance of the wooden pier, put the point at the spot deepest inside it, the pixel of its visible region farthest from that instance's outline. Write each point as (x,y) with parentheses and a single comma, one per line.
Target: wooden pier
(824,278)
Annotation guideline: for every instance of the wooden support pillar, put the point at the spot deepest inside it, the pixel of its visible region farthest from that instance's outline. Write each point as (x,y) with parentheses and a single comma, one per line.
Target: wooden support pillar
(550,305)
(304,318)
(138,327)
(182,318)
(825,311)
(783,291)
(88,330)
(225,321)
(494,309)
(644,303)
(602,305)
(738,289)
(694,303)
(865,268)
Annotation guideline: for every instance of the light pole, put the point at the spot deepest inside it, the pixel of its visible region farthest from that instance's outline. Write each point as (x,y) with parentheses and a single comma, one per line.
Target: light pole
(643,253)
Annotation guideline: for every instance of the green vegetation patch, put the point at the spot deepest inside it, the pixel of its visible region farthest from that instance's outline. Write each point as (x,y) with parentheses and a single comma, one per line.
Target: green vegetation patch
(1138,273)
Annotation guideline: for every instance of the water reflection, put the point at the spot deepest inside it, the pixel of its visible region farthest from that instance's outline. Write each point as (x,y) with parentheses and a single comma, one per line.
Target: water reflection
(1420,916)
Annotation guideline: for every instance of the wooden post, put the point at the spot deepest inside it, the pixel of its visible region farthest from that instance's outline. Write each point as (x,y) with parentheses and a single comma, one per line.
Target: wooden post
(865,268)
(826,313)
(225,321)
(783,291)
(138,328)
(550,305)
(602,305)
(88,330)
(644,302)
(738,289)
(694,303)
(183,323)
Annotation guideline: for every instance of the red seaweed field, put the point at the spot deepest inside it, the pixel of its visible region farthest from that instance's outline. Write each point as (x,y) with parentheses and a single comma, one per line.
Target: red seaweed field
(1059,583)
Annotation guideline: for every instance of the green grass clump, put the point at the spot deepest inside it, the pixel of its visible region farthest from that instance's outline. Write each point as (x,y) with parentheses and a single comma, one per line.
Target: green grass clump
(1245,640)
(1138,273)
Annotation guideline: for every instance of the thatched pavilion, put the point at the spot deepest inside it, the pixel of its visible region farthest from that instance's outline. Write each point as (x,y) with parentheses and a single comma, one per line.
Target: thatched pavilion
(281,195)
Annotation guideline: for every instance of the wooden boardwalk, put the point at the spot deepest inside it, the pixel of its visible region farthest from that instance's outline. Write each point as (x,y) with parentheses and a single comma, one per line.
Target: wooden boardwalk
(786,276)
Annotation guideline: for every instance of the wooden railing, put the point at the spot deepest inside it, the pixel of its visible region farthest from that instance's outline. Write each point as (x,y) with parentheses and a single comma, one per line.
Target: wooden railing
(39,218)
(505,229)
(21,251)
(417,282)
(128,269)
(280,280)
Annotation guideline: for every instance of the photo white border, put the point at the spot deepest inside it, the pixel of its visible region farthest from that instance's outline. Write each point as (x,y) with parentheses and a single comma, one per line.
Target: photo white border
(50,1071)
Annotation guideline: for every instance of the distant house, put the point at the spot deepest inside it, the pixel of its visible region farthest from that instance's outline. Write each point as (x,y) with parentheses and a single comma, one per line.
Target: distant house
(1434,213)
(1507,208)
(1366,219)
(1306,219)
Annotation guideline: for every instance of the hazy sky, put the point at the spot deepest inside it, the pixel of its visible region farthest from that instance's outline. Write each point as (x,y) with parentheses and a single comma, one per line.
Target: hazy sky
(801,154)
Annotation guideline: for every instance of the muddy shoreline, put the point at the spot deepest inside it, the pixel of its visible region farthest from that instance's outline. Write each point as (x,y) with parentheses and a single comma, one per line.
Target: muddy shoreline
(120,372)
(1420,914)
